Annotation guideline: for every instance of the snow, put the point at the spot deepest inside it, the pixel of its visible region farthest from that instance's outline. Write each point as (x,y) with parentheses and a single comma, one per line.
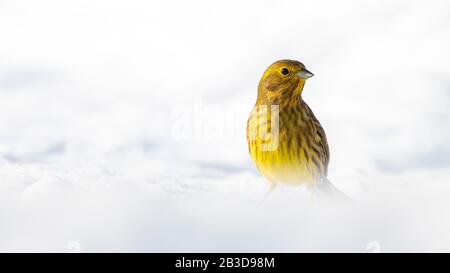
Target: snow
(123,125)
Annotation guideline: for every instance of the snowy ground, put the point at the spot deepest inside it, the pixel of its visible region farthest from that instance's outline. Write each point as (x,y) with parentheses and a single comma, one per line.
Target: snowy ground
(123,125)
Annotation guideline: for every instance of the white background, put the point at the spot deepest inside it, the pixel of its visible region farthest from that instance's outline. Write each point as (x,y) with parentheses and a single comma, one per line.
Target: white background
(122,125)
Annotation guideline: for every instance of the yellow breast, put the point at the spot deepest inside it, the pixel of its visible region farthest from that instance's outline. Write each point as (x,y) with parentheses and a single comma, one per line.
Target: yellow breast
(281,143)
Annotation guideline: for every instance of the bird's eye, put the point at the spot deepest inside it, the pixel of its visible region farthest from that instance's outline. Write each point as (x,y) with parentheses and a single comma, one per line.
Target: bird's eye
(285,71)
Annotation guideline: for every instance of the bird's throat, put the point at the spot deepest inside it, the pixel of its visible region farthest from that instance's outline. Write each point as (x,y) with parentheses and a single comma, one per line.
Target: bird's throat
(299,88)
(287,95)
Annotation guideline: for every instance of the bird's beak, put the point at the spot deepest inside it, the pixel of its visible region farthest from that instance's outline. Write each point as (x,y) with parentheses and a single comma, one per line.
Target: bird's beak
(304,74)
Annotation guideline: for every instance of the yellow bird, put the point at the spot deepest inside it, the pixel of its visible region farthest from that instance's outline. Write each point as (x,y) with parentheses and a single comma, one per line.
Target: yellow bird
(285,139)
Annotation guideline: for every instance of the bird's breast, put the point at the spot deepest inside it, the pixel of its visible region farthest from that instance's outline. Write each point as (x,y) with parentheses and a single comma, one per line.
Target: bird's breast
(281,143)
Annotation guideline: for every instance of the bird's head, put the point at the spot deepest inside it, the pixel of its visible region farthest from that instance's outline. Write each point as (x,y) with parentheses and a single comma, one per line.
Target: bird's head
(283,79)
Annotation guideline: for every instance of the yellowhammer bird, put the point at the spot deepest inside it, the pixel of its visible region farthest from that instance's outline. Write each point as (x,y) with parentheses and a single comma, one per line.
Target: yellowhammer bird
(285,140)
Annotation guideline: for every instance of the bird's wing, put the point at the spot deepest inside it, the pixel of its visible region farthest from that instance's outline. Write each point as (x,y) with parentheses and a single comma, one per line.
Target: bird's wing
(323,143)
